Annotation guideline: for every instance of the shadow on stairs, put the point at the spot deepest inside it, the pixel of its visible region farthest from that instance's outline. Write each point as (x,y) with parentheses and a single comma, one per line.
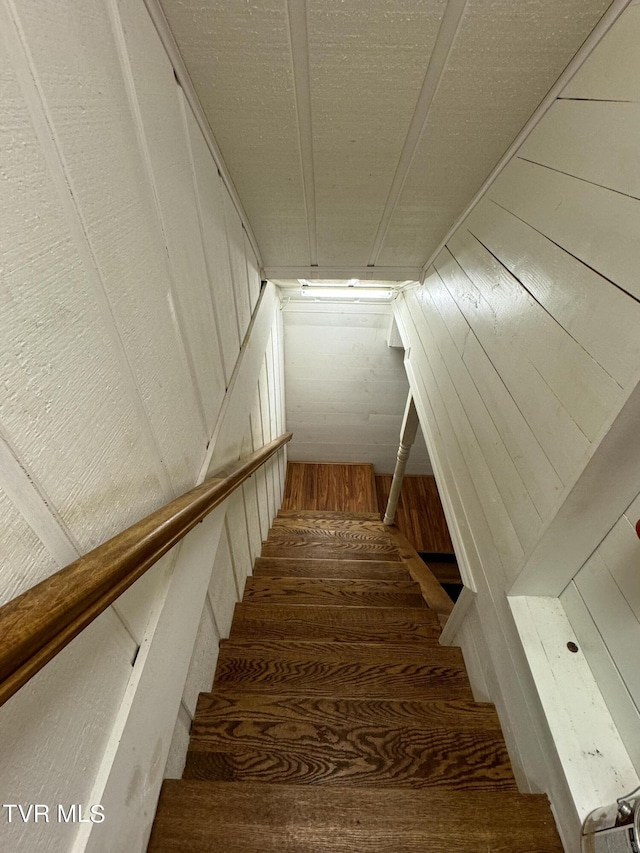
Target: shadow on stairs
(337,723)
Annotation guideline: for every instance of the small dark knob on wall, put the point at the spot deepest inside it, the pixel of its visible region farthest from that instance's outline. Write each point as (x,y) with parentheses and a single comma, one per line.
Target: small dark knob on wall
(638,528)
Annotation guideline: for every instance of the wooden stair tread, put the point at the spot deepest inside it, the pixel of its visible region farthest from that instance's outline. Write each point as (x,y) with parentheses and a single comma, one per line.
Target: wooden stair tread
(342,669)
(215,712)
(322,548)
(351,624)
(302,523)
(333,677)
(283,590)
(334,741)
(202,816)
(328,535)
(328,514)
(327,568)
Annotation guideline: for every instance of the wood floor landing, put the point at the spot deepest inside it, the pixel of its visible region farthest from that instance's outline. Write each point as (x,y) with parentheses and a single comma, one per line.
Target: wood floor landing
(337,722)
(316,486)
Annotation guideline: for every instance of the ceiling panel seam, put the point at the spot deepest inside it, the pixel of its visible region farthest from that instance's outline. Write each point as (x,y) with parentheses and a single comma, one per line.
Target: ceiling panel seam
(297,15)
(603,26)
(449,27)
(344,272)
(182,75)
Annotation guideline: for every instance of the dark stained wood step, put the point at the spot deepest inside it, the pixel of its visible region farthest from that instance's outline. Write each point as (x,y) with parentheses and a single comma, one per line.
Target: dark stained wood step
(310,568)
(323,548)
(328,514)
(336,591)
(327,535)
(341,624)
(203,817)
(301,523)
(291,738)
(371,671)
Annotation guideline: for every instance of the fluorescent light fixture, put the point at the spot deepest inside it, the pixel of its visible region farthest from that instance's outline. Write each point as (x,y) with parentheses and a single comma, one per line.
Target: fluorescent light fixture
(352,294)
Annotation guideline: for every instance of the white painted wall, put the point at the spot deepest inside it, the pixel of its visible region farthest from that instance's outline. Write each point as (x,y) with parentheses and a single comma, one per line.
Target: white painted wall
(524,361)
(346,388)
(128,287)
(603,604)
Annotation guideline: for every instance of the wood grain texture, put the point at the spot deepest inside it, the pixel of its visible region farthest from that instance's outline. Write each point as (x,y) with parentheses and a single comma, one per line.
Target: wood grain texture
(205,816)
(342,669)
(323,547)
(299,567)
(322,486)
(285,533)
(333,591)
(340,697)
(434,595)
(293,738)
(41,621)
(419,515)
(341,624)
(334,526)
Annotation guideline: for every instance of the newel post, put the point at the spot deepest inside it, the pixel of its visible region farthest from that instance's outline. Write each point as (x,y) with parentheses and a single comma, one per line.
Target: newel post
(407,437)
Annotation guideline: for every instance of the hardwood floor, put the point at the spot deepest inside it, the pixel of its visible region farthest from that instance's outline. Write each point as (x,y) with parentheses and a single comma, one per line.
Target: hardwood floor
(420,516)
(337,723)
(322,486)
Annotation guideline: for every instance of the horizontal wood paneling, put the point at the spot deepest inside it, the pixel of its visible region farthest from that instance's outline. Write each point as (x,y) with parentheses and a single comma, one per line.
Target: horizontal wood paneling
(346,388)
(524,340)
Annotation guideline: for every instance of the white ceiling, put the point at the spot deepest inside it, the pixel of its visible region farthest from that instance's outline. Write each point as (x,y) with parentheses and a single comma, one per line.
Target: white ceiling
(356,131)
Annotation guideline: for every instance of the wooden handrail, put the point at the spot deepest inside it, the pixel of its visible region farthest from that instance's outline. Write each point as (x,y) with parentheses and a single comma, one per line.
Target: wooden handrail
(36,625)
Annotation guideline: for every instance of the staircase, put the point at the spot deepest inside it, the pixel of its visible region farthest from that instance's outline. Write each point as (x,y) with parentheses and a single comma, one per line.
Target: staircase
(337,723)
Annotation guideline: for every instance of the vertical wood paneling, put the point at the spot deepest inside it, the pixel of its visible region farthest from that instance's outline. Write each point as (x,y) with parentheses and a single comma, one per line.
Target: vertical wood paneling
(223,593)
(203,661)
(110,187)
(260,476)
(24,557)
(160,112)
(138,602)
(250,495)
(56,729)
(179,745)
(210,192)
(239,539)
(238,264)
(263,391)
(68,403)
(119,335)
(253,274)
